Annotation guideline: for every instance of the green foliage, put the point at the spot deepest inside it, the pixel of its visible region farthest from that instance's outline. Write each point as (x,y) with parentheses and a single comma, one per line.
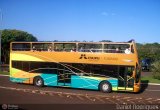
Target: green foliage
(149,50)
(16,35)
(10,36)
(105,41)
(156,70)
(4,73)
(150,79)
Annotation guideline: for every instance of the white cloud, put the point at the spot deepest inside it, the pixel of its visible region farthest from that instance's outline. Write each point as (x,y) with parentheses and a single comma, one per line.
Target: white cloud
(113,14)
(104,14)
(108,14)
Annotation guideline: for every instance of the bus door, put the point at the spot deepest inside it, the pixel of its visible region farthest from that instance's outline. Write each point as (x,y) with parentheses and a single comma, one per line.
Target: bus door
(125,79)
(64,77)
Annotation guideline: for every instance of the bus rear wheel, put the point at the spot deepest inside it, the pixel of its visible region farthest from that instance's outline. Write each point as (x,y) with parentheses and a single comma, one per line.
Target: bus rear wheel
(38,81)
(105,86)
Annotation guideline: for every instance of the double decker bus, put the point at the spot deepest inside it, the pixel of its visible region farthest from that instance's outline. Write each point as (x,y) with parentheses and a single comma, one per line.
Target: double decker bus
(104,66)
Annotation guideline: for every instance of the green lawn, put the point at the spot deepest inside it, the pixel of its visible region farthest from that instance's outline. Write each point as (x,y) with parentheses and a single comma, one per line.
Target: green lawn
(5,73)
(150,79)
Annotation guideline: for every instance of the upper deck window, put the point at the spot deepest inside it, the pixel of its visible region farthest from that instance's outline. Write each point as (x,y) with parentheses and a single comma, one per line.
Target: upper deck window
(74,47)
(116,48)
(21,46)
(84,47)
(42,47)
(66,47)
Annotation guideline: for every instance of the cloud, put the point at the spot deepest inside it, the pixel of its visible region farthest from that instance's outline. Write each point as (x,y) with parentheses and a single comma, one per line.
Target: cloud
(104,13)
(113,14)
(108,14)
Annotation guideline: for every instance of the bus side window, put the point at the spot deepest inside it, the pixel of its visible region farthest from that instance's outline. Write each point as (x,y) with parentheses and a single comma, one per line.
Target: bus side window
(21,47)
(33,48)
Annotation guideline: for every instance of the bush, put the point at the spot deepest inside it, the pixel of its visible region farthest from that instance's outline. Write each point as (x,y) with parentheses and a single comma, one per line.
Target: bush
(156,69)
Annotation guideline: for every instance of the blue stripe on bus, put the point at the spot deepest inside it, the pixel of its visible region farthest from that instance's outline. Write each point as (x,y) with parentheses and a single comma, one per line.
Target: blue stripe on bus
(67,84)
(114,82)
(21,80)
(60,84)
(86,83)
(49,79)
(76,81)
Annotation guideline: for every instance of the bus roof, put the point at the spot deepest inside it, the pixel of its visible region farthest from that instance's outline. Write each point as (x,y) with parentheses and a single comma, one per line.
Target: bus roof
(79,42)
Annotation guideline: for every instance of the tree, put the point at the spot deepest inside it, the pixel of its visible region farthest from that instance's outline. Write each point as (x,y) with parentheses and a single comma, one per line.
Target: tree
(156,70)
(149,50)
(10,36)
(105,41)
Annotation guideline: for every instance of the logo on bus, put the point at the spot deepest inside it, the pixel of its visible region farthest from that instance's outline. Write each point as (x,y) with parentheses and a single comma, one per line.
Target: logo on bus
(83,56)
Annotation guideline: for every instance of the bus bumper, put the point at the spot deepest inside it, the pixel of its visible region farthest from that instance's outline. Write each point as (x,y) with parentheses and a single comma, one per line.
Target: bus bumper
(137,87)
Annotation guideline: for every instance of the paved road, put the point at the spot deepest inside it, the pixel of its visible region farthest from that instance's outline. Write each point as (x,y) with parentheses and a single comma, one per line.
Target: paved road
(13,93)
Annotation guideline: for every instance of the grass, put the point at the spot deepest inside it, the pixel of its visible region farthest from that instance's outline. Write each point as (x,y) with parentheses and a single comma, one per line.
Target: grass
(5,73)
(150,79)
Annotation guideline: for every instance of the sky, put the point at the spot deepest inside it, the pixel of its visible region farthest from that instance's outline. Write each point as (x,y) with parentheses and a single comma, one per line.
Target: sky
(89,20)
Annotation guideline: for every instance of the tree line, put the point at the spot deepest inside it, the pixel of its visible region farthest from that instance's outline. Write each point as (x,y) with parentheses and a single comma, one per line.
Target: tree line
(149,50)
(8,36)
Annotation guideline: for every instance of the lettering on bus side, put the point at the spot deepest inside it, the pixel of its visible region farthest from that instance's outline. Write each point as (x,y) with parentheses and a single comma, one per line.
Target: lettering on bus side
(83,56)
(110,58)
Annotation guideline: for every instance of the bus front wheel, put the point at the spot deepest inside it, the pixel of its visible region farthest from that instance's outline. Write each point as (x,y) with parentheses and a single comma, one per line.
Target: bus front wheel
(105,86)
(38,81)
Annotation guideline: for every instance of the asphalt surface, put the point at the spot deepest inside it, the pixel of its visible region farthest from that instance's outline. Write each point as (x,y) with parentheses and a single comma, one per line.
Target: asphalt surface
(22,94)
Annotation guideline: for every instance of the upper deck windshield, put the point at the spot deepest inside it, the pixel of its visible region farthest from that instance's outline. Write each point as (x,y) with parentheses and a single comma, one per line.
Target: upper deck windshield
(99,47)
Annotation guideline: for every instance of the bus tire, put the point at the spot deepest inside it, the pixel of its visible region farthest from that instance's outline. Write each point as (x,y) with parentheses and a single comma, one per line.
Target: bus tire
(38,81)
(105,86)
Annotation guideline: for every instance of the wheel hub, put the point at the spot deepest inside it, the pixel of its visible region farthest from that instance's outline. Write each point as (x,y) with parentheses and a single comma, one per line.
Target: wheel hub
(105,87)
(39,82)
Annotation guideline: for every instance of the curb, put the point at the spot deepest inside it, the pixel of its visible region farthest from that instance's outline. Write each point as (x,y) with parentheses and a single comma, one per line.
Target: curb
(3,75)
(153,83)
